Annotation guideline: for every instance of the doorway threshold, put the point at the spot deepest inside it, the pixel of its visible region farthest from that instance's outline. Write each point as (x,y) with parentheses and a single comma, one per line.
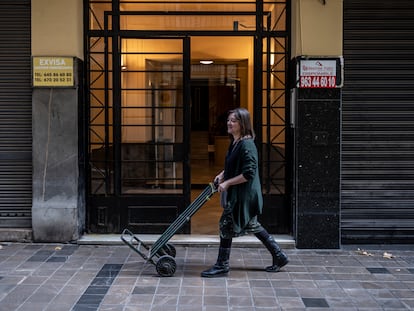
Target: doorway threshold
(193,240)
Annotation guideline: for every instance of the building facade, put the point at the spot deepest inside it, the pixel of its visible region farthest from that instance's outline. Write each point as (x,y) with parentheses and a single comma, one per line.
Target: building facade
(113,112)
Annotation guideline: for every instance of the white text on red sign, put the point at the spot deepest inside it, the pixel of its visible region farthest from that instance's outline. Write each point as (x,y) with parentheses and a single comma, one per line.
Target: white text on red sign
(317,82)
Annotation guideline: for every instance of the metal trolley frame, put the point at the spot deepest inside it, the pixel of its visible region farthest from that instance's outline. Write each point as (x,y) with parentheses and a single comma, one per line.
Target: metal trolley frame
(161,254)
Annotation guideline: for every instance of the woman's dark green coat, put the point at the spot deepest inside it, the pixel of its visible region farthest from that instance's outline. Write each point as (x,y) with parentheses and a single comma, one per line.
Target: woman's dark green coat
(244,201)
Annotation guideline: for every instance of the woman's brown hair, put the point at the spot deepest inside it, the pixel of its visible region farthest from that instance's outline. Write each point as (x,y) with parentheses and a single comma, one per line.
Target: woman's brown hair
(243,116)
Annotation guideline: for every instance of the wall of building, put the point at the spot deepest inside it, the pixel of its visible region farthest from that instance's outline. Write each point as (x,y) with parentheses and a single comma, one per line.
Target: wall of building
(57,28)
(317,27)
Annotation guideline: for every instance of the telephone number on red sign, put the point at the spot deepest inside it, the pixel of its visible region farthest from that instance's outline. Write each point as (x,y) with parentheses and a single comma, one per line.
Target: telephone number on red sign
(317,82)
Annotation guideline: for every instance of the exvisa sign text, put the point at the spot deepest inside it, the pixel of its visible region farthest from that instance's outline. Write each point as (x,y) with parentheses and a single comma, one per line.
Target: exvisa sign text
(53,71)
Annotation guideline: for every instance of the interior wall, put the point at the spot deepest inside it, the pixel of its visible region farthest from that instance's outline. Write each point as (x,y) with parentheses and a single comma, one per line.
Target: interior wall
(57,28)
(232,48)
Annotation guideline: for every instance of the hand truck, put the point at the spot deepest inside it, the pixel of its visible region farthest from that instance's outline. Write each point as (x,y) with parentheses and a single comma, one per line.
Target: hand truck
(161,254)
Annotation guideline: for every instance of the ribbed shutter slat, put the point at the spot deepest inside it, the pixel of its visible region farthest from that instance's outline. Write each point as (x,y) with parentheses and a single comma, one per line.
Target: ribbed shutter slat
(15,114)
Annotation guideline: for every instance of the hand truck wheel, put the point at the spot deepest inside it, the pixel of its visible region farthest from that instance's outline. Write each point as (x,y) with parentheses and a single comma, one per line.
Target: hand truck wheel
(166,265)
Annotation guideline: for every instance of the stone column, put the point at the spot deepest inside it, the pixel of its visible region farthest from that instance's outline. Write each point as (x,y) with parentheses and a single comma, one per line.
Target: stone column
(58,212)
(317,168)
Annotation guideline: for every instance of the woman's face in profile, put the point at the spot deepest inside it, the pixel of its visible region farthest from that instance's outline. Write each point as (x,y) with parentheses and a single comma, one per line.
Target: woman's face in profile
(233,125)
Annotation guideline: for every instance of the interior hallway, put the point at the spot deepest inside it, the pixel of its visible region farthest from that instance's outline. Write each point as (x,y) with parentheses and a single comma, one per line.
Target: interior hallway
(205,221)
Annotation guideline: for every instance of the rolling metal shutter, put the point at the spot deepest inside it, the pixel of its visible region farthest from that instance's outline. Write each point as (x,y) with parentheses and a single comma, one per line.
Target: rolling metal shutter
(15,114)
(377,196)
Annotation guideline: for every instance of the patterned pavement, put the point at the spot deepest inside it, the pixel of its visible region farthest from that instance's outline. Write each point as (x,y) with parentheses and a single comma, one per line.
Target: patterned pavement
(113,277)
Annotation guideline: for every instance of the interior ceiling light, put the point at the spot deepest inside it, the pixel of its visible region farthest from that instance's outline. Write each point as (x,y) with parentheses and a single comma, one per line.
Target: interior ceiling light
(206,62)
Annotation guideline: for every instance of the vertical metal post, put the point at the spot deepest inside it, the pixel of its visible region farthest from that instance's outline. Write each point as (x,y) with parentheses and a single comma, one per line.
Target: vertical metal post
(257,78)
(116,97)
(187,118)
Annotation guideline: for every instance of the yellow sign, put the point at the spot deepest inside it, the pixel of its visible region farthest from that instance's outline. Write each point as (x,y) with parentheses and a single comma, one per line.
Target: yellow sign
(52,71)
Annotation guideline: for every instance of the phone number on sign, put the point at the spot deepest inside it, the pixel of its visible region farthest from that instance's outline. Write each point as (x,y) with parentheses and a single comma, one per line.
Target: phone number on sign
(317,82)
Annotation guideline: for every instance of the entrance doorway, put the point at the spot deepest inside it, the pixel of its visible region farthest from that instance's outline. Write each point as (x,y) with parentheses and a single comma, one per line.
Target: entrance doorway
(215,89)
(157,115)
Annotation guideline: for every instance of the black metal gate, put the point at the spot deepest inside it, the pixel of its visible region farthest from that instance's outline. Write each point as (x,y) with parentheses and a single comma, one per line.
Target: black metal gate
(15,115)
(378,122)
(139,97)
(138,162)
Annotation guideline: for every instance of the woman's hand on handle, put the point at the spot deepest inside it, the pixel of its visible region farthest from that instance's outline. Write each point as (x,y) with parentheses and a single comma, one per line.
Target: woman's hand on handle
(219,178)
(223,186)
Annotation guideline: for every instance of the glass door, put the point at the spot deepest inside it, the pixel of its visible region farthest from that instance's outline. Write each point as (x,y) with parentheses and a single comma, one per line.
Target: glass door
(139,172)
(152,117)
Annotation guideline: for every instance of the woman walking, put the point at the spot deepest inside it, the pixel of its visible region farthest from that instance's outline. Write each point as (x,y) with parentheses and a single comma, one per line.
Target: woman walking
(241,195)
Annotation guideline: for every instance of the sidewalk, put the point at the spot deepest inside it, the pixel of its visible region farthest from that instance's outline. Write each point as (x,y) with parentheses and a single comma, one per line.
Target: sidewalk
(113,277)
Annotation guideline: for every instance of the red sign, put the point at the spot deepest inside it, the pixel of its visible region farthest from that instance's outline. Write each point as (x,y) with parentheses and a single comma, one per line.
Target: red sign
(317,82)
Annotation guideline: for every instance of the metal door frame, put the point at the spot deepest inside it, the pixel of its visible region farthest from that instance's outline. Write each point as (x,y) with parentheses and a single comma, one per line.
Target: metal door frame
(263,101)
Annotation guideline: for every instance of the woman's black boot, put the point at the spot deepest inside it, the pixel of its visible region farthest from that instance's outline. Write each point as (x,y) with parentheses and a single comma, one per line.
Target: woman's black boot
(280,259)
(222,265)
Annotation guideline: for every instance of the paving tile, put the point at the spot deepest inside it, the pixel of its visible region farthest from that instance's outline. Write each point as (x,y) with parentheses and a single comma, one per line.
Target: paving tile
(309,292)
(376,270)
(336,303)
(238,291)
(215,291)
(246,302)
(41,255)
(168,290)
(402,293)
(191,291)
(365,301)
(315,302)
(237,283)
(143,290)
(287,292)
(290,303)
(268,302)
(140,300)
(260,283)
(190,300)
(257,292)
(333,292)
(215,300)
(57,259)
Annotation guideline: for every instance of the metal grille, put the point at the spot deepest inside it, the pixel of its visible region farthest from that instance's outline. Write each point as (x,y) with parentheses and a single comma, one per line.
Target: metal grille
(15,115)
(378,122)
(274,71)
